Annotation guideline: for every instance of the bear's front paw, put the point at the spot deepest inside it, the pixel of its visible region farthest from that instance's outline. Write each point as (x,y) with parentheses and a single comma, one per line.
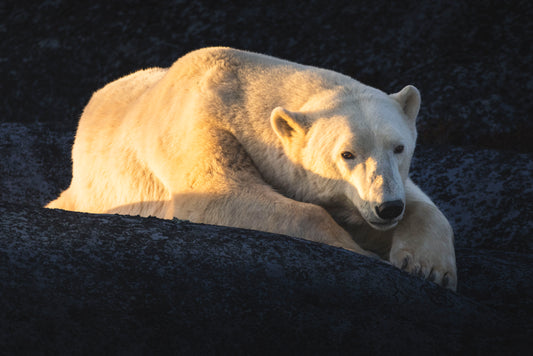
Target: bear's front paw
(437,267)
(422,244)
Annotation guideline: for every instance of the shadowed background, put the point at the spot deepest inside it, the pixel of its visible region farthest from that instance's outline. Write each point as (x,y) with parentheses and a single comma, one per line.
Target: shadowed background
(94,279)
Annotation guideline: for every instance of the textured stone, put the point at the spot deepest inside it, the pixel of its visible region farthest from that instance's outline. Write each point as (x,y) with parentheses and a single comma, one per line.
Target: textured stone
(81,283)
(472,61)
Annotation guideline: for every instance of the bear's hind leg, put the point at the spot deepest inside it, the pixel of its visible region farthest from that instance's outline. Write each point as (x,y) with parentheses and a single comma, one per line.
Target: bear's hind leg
(64,202)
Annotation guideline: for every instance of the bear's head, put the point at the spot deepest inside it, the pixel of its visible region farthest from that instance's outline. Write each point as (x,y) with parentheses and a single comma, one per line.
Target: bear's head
(353,149)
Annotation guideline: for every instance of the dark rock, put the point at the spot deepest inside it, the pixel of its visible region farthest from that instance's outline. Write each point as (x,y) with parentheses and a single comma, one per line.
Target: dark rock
(81,283)
(486,194)
(76,283)
(471,60)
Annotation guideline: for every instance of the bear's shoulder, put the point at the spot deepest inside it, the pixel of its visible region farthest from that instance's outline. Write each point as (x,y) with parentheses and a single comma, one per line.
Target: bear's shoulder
(226,59)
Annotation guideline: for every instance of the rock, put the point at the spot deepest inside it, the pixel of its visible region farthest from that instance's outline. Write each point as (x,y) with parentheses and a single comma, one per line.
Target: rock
(77,283)
(486,194)
(81,283)
(61,53)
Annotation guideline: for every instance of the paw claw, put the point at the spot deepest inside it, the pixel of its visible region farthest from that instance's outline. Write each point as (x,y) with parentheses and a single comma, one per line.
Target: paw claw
(415,270)
(445,280)
(405,262)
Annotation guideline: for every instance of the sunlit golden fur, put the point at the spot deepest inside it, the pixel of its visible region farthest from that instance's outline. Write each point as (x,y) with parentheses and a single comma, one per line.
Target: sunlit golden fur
(237,138)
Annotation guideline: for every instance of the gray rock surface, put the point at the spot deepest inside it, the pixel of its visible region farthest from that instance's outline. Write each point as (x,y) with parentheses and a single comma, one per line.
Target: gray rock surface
(471,60)
(75,283)
(81,283)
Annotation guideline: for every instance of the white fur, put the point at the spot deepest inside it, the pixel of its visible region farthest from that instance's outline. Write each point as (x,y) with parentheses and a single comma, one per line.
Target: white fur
(241,139)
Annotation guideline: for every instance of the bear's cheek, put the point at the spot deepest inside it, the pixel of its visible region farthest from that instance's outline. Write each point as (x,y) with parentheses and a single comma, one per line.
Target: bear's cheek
(404,168)
(321,165)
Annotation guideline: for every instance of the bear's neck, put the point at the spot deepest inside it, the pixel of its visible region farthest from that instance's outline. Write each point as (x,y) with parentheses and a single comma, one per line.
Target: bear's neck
(273,164)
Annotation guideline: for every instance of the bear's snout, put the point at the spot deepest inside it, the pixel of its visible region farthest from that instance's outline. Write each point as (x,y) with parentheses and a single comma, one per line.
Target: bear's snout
(390,209)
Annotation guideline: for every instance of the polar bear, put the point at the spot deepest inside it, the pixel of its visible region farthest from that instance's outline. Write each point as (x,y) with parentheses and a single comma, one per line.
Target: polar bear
(241,139)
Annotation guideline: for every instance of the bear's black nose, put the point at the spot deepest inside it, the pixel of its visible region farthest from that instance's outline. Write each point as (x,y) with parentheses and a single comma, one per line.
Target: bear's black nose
(390,209)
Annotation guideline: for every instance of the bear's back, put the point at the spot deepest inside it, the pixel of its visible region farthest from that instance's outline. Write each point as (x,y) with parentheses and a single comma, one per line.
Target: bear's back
(256,71)
(111,101)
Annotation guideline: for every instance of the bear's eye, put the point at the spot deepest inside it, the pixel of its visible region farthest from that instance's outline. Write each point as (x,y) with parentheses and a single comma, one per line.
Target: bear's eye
(398,149)
(348,155)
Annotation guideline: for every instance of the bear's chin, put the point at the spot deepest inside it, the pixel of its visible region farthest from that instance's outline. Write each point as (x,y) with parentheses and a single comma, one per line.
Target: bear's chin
(383,226)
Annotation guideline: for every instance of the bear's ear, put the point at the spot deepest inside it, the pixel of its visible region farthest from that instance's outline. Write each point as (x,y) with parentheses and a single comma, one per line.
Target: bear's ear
(287,124)
(409,100)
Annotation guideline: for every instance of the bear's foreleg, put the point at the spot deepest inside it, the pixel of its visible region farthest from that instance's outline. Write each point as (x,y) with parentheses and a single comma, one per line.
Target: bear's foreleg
(422,243)
(259,207)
